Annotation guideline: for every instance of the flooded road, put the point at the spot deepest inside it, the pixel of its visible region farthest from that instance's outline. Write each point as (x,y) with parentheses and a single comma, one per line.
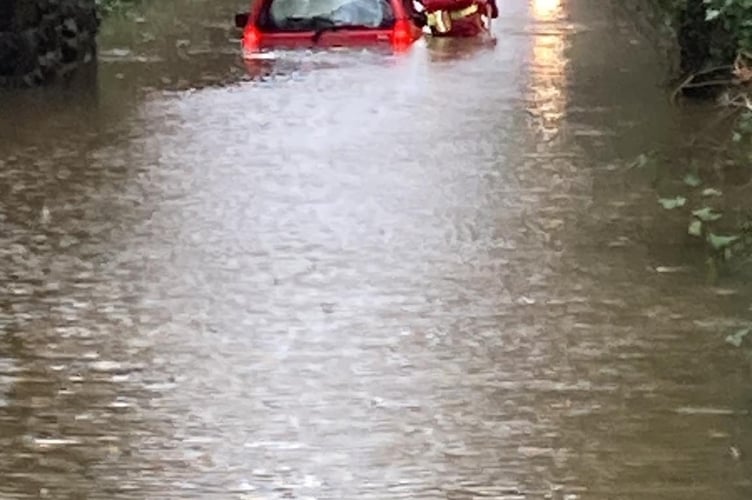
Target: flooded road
(360,277)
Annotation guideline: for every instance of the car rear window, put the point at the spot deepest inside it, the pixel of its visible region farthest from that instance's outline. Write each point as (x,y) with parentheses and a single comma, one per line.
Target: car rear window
(304,15)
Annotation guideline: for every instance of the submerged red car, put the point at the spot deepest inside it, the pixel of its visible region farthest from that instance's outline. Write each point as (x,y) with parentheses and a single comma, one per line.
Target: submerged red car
(295,24)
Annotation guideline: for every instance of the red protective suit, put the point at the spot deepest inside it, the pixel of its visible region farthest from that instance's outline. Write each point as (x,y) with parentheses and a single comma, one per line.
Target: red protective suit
(466,26)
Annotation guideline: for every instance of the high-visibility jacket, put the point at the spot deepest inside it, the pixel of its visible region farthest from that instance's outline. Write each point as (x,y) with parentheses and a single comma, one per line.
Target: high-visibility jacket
(458,18)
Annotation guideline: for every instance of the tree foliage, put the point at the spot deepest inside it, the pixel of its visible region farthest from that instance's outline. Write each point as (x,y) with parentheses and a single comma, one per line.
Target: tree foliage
(736,18)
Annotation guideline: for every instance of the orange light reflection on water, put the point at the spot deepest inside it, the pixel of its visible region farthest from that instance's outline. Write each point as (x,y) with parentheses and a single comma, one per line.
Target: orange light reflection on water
(549,64)
(544,9)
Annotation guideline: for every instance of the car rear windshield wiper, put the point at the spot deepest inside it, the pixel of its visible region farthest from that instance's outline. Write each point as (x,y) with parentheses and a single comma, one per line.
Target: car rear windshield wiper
(337,27)
(322,24)
(313,23)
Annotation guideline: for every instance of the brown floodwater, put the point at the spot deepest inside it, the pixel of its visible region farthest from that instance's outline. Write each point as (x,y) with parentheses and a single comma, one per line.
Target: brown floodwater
(361,276)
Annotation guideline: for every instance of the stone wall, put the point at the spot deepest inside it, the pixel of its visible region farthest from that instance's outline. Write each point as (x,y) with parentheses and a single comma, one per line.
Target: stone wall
(41,40)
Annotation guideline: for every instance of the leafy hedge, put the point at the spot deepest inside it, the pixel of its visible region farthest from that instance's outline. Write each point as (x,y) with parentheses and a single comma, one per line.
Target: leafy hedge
(736,18)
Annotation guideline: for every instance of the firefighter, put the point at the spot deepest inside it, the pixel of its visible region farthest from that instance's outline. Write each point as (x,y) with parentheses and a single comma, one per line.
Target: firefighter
(458,18)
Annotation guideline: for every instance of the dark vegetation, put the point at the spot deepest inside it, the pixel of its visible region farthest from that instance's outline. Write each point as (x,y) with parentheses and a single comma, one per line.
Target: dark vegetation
(713,188)
(42,40)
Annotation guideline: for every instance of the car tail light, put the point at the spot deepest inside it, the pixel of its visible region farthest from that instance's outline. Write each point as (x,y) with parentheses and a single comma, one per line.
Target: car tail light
(402,34)
(251,38)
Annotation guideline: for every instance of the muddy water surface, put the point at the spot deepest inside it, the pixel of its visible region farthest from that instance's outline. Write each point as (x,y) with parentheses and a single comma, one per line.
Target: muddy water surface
(359,276)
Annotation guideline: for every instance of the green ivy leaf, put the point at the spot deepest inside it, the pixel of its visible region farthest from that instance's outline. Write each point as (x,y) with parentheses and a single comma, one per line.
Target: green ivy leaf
(706,214)
(711,192)
(736,339)
(695,228)
(639,162)
(712,14)
(721,242)
(672,203)
(692,180)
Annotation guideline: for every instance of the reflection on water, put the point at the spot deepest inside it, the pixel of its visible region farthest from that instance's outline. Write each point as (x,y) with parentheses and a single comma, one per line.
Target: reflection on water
(549,78)
(546,10)
(357,277)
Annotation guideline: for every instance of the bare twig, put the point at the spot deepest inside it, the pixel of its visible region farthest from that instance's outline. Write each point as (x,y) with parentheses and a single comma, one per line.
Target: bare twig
(681,87)
(687,82)
(747,104)
(725,67)
(709,83)
(729,112)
